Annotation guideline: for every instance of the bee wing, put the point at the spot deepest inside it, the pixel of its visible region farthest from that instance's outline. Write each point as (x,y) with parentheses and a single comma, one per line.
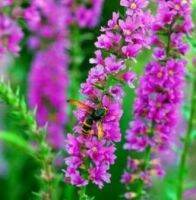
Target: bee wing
(80,104)
(100,132)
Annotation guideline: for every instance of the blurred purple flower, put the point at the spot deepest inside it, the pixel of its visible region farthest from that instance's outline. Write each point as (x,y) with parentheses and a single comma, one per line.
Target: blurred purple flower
(48,80)
(190,194)
(47,85)
(10,35)
(45,26)
(4,3)
(194,61)
(85,14)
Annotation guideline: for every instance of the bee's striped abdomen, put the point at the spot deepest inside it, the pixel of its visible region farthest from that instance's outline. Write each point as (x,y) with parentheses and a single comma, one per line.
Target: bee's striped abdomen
(87,125)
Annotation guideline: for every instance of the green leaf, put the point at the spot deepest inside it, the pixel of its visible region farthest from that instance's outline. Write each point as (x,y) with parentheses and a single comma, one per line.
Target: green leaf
(193,135)
(17,142)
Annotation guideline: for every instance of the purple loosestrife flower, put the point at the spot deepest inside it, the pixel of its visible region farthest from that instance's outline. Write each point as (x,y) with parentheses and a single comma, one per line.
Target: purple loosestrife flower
(158,98)
(47,85)
(85,14)
(90,155)
(134,6)
(159,95)
(4,3)
(10,35)
(48,78)
(46,26)
(89,15)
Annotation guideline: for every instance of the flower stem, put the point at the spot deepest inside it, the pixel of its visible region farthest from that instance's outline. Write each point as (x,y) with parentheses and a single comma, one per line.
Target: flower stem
(83,196)
(26,119)
(187,142)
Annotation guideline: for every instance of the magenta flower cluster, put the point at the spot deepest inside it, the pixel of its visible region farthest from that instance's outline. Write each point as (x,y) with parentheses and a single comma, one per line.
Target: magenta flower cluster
(177,15)
(48,79)
(156,115)
(85,14)
(159,95)
(10,33)
(129,36)
(90,156)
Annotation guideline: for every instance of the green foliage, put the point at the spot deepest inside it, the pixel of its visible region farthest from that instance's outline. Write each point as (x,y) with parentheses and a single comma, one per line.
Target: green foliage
(44,154)
(83,195)
(17,142)
(18,108)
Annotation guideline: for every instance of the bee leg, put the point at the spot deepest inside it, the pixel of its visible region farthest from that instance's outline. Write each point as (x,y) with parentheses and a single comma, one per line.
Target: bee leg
(100,132)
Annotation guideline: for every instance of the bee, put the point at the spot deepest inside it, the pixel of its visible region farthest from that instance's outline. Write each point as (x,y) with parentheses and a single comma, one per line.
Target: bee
(95,115)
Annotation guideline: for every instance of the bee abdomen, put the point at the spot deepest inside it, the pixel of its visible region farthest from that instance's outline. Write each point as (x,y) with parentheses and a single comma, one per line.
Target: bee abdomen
(85,132)
(88,121)
(86,127)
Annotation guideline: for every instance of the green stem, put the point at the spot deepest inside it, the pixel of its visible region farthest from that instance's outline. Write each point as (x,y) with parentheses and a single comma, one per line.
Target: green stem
(26,119)
(187,142)
(82,194)
(169,40)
